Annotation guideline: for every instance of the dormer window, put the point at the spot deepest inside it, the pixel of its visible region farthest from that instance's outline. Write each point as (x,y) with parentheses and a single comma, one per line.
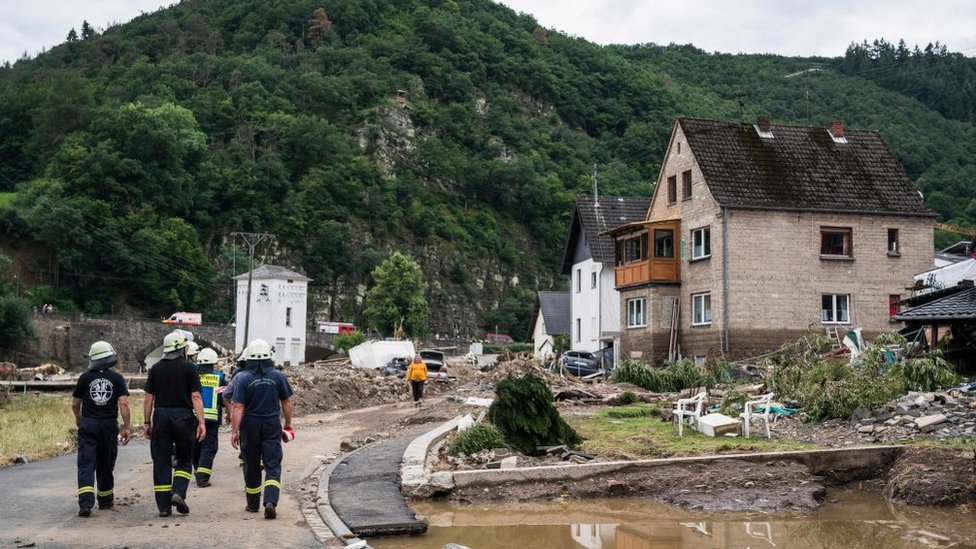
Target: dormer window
(763,127)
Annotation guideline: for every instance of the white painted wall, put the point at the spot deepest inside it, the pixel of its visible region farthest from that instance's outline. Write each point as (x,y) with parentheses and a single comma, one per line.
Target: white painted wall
(542,342)
(271,298)
(585,304)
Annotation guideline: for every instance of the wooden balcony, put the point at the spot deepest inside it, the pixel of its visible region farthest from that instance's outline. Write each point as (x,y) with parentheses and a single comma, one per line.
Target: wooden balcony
(660,261)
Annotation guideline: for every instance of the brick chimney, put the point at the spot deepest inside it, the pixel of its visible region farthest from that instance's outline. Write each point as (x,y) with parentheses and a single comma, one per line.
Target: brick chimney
(837,129)
(763,124)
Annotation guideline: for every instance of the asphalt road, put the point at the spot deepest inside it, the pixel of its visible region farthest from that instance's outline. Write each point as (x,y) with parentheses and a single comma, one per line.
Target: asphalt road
(38,501)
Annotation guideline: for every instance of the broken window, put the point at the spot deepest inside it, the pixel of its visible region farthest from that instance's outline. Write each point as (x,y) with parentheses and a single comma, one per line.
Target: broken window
(636,317)
(836,241)
(893,248)
(672,189)
(686,185)
(701,309)
(664,243)
(701,245)
(835,308)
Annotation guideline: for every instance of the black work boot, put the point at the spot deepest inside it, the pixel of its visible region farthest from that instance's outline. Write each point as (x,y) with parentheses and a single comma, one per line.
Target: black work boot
(84,512)
(270,512)
(180,504)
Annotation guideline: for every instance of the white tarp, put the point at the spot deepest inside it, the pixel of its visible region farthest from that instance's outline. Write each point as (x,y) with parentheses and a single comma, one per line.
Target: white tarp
(374,354)
(948,276)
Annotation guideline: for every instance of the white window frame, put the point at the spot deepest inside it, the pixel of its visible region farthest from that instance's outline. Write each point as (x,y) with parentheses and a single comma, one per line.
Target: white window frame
(288,316)
(698,309)
(706,243)
(593,279)
(593,328)
(637,312)
(579,280)
(579,329)
(835,309)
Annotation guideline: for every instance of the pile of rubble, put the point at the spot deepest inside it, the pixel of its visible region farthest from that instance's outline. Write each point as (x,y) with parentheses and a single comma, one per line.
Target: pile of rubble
(328,386)
(940,415)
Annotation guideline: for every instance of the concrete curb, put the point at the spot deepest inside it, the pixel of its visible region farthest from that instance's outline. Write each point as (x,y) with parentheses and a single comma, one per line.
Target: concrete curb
(415,471)
(327,515)
(826,461)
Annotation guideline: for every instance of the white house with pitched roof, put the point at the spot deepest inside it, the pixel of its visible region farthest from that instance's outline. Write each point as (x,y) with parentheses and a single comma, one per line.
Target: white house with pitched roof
(279,304)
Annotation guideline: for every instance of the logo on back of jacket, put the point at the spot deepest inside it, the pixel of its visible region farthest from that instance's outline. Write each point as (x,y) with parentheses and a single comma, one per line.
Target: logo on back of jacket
(100,391)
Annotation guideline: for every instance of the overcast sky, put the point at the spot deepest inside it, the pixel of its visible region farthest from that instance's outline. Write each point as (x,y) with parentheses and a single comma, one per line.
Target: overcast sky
(787,27)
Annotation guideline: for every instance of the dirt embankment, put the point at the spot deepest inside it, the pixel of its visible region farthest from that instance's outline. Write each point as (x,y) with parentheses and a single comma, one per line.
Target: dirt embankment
(934,477)
(722,486)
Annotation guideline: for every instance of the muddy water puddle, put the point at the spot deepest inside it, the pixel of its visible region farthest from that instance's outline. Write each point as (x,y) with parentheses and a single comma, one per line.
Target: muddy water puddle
(857,519)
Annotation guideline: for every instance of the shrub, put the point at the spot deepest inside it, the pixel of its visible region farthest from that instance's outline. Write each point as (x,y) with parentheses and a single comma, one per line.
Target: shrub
(676,377)
(628,397)
(733,402)
(483,436)
(345,342)
(524,413)
(929,373)
(634,412)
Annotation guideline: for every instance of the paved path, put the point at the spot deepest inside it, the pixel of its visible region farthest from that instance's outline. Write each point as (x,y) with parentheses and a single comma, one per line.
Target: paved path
(38,501)
(364,491)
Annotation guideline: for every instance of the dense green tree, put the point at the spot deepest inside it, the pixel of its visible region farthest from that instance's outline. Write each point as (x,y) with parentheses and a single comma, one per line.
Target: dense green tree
(396,300)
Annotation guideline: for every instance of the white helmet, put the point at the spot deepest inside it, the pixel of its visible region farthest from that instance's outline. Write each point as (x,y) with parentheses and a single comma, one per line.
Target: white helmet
(207,356)
(102,355)
(258,350)
(192,348)
(174,341)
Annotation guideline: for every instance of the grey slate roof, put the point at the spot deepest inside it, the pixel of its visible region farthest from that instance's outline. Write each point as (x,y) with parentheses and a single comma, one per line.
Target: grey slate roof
(555,307)
(800,169)
(593,216)
(959,306)
(274,271)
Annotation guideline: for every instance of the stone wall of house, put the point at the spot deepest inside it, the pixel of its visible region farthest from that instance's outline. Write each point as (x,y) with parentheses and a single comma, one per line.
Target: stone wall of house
(777,274)
(648,344)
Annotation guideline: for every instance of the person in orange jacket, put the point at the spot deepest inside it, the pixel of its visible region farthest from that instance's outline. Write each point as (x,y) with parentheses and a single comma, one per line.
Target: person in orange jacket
(416,376)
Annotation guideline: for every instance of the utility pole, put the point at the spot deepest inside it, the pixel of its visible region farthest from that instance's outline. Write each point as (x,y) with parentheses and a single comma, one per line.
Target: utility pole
(741,99)
(251,240)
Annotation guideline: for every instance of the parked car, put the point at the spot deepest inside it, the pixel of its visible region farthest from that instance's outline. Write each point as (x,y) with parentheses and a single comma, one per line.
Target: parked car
(434,359)
(580,363)
(436,365)
(492,337)
(192,319)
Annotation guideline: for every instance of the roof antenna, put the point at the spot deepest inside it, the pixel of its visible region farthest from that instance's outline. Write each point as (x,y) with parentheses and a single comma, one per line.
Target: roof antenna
(596,194)
(741,97)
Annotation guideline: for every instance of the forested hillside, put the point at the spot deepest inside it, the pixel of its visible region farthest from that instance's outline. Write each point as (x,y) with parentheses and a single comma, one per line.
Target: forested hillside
(457,131)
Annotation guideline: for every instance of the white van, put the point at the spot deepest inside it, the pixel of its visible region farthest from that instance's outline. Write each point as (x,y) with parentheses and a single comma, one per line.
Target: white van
(193,319)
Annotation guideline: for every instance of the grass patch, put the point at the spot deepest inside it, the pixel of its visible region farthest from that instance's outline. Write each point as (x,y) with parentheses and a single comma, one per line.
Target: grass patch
(41,426)
(6,199)
(640,433)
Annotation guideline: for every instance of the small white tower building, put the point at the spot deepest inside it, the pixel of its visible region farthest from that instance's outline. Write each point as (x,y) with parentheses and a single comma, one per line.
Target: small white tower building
(279,304)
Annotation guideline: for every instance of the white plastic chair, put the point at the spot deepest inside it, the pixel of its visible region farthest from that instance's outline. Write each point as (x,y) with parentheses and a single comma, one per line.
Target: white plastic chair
(696,405)
(750,413)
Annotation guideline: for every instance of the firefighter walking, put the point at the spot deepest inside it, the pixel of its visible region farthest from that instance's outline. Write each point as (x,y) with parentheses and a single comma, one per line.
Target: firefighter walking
(98,397)
(261,396)
(174,418)
(211,381)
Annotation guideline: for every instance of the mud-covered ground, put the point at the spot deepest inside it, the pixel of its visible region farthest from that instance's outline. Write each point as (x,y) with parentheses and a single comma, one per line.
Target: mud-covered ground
(722,486)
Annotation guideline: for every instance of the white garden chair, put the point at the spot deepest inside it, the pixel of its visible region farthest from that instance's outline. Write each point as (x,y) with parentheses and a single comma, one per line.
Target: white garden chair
(691,408)
(751,413)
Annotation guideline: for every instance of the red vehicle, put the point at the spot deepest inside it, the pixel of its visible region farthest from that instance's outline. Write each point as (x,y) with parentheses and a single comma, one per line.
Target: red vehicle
(340,328)
(492,337)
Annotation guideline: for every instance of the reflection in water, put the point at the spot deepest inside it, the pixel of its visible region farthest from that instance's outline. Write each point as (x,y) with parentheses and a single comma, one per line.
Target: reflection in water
(851,520)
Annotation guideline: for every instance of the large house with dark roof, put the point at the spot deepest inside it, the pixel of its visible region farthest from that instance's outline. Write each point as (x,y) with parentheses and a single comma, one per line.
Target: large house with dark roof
(758,232)
(588,260)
